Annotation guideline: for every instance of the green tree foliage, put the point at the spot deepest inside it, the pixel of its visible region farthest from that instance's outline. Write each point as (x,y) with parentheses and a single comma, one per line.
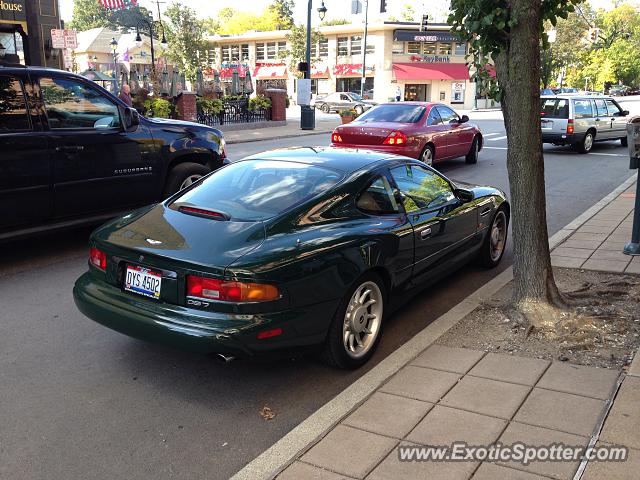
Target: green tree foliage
(335,21)
(297,46)
(282,10)
(89,14)
(186,43)
(408,14)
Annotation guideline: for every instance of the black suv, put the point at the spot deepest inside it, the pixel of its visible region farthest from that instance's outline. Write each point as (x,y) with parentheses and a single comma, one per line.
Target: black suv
(71,152)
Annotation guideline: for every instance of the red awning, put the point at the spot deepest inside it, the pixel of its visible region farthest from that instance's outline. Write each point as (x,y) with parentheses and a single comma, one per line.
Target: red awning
(265,72)
(227,72)
(319,71)
(350,70)
(431,71)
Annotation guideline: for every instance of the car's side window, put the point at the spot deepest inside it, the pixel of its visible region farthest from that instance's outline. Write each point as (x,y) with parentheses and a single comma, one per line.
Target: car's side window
(378,198)
(421,188)
(447,114)
(614,111)
(344,97)
(14,116)
(583,109)
(72,105)
(434,117)
(601,107)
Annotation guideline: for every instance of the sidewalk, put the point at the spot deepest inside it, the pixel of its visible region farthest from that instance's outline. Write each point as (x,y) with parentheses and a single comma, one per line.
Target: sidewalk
(447,395)
(290,130)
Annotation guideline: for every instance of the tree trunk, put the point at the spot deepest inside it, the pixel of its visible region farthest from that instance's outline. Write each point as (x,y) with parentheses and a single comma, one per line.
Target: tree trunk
(518,72)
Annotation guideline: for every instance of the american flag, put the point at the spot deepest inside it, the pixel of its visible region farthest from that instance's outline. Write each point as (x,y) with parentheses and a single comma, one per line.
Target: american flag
(117,4)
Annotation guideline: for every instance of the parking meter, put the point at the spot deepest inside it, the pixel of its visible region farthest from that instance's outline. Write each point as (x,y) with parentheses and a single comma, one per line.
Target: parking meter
(633,140)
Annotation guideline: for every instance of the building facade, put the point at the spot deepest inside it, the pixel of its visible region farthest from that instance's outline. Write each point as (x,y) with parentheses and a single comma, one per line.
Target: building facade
(25,32)
(425,66)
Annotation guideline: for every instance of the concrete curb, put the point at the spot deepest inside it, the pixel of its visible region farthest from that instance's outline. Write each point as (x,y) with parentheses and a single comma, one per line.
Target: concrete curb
(282,453)
(278,137)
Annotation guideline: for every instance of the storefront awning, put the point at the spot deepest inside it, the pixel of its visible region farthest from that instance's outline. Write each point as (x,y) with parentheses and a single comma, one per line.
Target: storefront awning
(227,72)
(320,71)
(350,70)
(267,72)
(431,71)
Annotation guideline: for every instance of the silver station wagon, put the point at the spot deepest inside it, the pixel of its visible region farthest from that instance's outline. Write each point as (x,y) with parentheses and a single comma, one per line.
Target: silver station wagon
(580,121)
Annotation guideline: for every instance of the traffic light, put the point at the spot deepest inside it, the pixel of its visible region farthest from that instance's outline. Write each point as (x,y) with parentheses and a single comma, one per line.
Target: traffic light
(424,23)
(383,6)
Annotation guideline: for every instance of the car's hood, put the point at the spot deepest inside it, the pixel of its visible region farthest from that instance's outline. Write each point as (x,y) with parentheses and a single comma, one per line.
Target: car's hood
(174,235)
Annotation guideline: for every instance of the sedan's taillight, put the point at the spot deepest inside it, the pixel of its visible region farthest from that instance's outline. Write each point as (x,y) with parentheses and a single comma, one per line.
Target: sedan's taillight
(336,138)
(228,291)
(395,138)
(98,258)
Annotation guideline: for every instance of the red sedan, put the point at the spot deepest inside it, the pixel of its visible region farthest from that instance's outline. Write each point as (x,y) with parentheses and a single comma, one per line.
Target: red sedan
(427,131)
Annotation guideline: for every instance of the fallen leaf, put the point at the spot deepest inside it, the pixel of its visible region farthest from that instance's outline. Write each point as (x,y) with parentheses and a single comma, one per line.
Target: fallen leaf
(267,413)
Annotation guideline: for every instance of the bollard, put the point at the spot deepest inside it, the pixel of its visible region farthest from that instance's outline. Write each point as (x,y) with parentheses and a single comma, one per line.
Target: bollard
(633,140)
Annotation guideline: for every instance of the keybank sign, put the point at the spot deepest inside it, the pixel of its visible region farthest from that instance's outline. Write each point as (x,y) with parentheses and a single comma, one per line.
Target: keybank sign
(12,10)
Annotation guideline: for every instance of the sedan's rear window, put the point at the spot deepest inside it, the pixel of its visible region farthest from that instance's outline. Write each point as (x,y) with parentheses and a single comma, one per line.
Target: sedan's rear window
(255,190)
(393,113)
(554,108)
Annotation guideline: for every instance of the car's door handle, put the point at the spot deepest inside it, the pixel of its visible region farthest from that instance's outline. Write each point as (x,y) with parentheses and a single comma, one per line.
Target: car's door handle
(485,212)
(426,233)
(70,148)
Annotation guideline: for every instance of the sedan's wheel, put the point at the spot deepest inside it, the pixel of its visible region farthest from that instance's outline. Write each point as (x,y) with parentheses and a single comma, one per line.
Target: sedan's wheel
(427,155)
(587,143)
(495,241)
(355,330)
(183,176)
(325,108)
(359,109)
(472,156)
(624,142)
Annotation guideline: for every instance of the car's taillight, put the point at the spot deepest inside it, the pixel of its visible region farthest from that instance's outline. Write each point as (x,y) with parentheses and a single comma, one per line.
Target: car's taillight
(570,127)
(203,212)
(395,138)
(336,138)
(98,258)
(228,291)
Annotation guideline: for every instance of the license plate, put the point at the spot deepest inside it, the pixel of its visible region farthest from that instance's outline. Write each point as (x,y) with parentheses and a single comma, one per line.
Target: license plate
(546,125)
(142,281)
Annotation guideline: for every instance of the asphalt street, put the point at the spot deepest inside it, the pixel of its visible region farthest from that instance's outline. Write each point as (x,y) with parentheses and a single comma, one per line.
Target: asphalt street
(79,401)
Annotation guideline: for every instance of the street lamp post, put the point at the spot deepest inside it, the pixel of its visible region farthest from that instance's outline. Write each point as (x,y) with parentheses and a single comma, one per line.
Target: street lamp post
(307,113)
(364,51)
(149,24)
(114,48)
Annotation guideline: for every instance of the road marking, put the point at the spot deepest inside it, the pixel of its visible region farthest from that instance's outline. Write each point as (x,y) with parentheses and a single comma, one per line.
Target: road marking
(609,154)
(491,134)
(496,139)
(563,153)
(494,148)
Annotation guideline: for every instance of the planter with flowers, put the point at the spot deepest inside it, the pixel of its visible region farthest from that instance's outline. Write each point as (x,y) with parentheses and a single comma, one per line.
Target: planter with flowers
(348,115)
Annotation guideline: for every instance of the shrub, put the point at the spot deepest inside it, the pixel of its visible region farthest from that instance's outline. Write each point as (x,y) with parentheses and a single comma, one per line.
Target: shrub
(158,107)
(210,106)
(259,102)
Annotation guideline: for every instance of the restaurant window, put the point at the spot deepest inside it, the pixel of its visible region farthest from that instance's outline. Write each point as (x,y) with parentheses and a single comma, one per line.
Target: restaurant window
(413,47)
(226,53)
(429,48)
(235,53)
(245,51)
(371,49)
(398,48)
(271,50)
(343,46)
(323,48)
(356,45)
(282,46)
(461,48)
(260,51)
(211,58)
(444,49)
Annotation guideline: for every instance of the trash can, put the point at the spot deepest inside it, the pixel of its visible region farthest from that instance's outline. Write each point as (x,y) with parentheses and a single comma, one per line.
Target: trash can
(307,117)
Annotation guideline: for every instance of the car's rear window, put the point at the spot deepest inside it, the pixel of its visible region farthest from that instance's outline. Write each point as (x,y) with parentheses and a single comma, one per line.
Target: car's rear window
(393,113)
(254,190)
(554,108)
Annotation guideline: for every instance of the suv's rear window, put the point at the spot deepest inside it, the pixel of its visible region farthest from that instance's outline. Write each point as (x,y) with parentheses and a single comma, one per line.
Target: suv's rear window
(554,108)
(393,113)
(254,190)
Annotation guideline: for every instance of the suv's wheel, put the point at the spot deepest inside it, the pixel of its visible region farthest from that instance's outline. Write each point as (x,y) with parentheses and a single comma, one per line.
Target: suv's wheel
(586,144)
(183,175)
(624,142)
(472,156)
(354,332)
(359,109)
(495,242)
(325,108)
(427,155)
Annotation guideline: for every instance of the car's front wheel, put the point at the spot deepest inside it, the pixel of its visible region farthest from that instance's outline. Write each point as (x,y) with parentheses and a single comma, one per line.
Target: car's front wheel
(355,329)
(359,109)
(325,108)
(624,142)
(183,175)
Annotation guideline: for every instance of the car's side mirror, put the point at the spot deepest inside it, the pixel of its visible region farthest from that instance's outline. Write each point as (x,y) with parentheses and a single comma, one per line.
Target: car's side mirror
(464,195)
(464,119)
(624,113)
(131,118)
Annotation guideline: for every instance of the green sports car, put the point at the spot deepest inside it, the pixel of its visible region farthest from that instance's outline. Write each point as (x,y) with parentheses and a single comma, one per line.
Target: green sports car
(288,249)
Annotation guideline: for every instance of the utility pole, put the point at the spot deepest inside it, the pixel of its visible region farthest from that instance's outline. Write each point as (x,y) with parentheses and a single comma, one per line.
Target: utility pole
(364,47)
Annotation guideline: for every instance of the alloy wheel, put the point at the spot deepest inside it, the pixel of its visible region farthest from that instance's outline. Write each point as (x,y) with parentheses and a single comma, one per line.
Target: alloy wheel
(190,180)
(362,320)
(498,236)
(427,157)
(588,142)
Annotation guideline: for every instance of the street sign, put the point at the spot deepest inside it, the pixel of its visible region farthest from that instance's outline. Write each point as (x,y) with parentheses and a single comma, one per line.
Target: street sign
(57,38)
(304,91)
(70,39)
(67,59)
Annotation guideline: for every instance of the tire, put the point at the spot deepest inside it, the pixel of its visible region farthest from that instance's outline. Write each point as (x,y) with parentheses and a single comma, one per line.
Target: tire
(472,157)
(624,142)
(488,256)
(428,155)
(342,349)
(183,175)
(586,144)
(359,109)
(325,108)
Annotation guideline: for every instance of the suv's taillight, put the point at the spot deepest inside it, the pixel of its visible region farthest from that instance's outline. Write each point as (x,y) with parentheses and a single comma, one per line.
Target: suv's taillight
(215,289)
(570,126)
(98,258)
(395,138)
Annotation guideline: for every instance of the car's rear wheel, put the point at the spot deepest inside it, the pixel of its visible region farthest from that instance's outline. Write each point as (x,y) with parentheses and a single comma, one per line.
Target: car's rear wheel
(495,241)
(472,156)
(184,175)
(624,142)
(355,330)
(586,144)
(325,108)
(359,109)
(427,156)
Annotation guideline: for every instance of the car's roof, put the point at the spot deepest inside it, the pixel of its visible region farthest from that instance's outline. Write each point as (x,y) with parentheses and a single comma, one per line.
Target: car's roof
(22,68)
(574,96)
(346,160)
